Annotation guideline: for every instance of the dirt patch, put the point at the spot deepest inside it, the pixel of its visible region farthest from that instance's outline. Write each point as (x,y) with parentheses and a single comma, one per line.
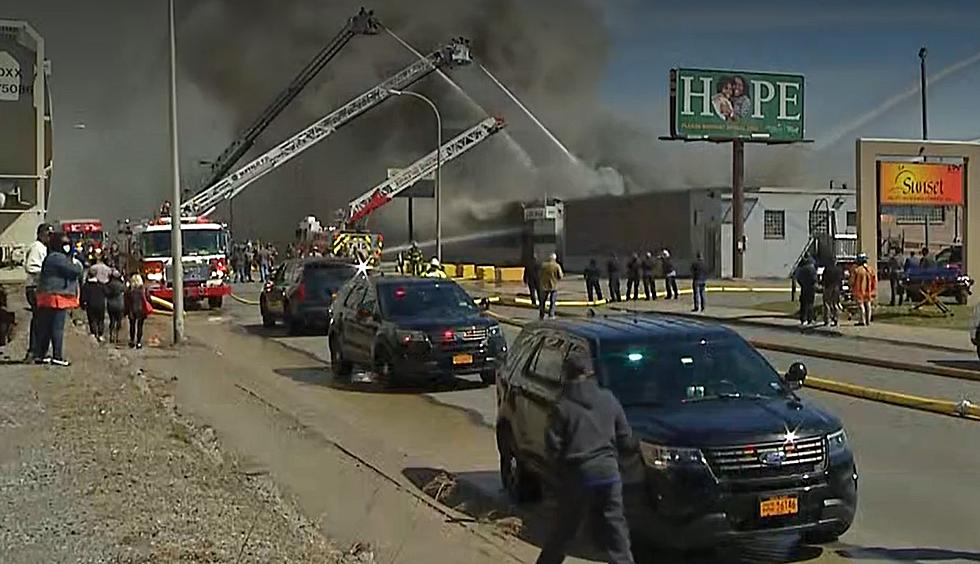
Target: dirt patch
(96,465)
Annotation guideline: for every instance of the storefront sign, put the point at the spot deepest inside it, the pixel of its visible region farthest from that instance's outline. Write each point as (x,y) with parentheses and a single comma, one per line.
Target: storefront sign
(727,104)
(924,184)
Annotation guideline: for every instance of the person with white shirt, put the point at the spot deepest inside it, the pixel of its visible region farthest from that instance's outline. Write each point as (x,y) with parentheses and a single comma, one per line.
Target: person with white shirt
(36,254)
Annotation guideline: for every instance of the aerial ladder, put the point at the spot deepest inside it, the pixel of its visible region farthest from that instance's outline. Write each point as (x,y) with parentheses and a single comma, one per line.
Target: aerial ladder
(361,207)
(454,53)
(364,23)
(347,238)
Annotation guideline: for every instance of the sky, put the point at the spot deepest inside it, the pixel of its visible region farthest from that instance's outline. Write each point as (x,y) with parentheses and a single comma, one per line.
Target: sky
(859,59)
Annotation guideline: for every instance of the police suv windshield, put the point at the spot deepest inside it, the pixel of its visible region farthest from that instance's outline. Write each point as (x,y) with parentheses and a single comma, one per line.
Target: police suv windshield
(438,299)
(687,372)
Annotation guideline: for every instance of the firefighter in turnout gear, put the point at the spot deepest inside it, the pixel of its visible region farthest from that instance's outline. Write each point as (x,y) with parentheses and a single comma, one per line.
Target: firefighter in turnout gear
(415,260)
(434,270)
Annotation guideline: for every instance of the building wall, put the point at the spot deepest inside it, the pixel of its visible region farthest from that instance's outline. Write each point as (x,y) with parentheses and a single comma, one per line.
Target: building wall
(774,258)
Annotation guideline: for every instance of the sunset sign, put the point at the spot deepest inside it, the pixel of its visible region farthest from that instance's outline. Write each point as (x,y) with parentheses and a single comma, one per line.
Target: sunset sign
(925,184)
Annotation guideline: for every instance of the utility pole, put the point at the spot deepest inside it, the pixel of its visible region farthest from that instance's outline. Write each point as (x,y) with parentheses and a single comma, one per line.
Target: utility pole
(925,124)
(176,244)
(738,208)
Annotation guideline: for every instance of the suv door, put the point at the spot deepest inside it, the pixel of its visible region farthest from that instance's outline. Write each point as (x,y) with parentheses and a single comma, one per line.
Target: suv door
(364,325)
(344,317)
(540,391)
(276,291)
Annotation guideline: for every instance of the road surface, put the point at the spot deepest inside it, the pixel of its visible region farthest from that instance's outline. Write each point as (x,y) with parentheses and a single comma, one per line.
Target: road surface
(919,499)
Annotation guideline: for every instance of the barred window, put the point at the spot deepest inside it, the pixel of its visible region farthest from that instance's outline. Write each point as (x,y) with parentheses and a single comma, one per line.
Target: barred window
(775,224)
(916,215)
(819,222)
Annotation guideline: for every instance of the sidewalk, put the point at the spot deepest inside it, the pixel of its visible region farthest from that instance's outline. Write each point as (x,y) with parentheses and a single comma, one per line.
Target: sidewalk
(574,289)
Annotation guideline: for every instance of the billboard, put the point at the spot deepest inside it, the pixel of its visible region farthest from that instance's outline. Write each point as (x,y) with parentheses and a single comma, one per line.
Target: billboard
(729,104)
(18,115)
(920,184)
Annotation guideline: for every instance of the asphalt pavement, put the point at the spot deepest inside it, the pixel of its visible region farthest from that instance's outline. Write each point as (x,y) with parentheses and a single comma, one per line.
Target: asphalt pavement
(918,494)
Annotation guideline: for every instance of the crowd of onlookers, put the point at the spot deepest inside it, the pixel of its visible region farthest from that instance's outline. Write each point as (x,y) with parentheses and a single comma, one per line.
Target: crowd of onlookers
(62,276)
(542,279)
(253,256)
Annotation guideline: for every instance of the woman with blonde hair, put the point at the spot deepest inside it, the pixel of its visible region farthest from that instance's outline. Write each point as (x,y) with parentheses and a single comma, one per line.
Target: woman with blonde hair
(138,308)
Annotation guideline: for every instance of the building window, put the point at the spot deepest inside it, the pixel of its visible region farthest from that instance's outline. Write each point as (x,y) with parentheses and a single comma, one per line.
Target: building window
(775,224)
(819,222)
(852,219)
(915,215)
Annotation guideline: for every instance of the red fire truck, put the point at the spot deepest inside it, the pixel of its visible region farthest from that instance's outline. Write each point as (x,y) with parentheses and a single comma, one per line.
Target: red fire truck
(88,231)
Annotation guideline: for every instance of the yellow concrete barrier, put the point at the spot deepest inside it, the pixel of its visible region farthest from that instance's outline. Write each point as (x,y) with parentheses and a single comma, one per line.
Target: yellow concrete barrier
(467,272)
(451,270)
(510,274)
(486,273)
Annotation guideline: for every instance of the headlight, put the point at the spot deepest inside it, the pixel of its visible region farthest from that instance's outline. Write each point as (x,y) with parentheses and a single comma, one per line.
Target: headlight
(837,443)
(406,337)
(661,457)
(155,276)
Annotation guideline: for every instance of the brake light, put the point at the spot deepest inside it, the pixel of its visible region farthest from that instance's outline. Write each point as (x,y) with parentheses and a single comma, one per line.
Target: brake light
(448,335)
(301,292)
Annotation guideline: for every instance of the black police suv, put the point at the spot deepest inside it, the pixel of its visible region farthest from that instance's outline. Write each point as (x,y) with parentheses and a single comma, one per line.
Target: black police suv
(727,447)
(301,291)
(412,329)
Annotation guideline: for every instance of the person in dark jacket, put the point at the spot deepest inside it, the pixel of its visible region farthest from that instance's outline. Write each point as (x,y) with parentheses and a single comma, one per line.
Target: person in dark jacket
(592,287)
(927,262)
(649,282)
(633,278)
(614,270)
(670,275)
(587,430)
(806,277)
(57,293)
(895,278)
(699,281)
(115,291)
(94,304)
(136,298)
(532,278)
(833,277)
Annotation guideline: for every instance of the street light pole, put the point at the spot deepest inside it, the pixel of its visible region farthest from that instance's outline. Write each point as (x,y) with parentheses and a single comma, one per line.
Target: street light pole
(435,110)
(176,244)
(925,124)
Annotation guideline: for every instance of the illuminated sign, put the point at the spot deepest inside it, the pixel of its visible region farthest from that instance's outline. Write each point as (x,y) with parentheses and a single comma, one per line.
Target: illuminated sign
(924,184)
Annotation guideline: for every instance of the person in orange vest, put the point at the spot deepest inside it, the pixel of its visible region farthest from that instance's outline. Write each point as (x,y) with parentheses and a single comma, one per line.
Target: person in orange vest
(864,286)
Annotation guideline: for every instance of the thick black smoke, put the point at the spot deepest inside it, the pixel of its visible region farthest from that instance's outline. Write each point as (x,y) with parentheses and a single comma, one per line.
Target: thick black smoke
(552,53)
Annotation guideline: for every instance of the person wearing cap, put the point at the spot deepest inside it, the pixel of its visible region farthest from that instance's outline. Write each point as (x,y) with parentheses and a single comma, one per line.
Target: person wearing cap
(36,254)
(434,270)
(551,273)
(864,287)
(670,275)
(57,293)
(587,430)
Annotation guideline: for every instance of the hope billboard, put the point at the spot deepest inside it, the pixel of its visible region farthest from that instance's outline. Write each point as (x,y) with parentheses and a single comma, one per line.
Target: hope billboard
(18,115)
(729,104)
(920,184)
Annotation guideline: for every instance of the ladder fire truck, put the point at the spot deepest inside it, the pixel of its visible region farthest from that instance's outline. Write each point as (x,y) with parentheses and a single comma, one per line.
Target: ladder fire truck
(348,238)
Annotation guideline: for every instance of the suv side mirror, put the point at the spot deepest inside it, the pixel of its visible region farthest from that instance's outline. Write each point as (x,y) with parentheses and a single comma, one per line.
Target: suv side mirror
(796,375)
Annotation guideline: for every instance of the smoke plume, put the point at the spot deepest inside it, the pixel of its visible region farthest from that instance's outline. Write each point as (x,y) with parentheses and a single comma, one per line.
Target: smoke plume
(551,53)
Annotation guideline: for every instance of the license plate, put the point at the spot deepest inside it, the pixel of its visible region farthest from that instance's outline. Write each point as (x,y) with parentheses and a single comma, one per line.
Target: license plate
(776,506)
(462,359)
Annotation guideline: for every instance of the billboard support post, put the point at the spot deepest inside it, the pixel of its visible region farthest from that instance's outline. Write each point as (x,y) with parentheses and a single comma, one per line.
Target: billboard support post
(737,107)
(411,218)
(738,207)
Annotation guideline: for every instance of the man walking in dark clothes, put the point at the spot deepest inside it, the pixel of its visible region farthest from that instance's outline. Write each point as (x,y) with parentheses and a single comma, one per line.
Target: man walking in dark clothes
(614,270)
(592,287)
(633,278)
(532,278)
(649,282)
(806,277)
(587,430)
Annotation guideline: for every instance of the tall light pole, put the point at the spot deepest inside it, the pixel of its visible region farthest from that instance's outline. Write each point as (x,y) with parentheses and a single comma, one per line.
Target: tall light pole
(176,244)
(435,110)
(925,123)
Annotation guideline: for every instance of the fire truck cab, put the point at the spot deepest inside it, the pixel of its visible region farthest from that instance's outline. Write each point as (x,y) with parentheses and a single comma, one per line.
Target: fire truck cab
(205,260)
(87,231)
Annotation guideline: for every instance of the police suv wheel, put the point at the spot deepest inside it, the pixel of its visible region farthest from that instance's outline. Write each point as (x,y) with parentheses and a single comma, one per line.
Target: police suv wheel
(340,367)
(521,485)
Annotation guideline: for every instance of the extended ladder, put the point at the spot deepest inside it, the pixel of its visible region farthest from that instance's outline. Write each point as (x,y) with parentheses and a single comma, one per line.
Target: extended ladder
(383,193)
(454,53)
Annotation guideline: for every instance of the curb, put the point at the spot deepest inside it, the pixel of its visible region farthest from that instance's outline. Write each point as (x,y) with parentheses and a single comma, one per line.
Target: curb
(960,410)
(958,373)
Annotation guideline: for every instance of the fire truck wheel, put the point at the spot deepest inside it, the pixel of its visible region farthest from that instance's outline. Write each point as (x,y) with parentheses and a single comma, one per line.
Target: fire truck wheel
(215,303)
